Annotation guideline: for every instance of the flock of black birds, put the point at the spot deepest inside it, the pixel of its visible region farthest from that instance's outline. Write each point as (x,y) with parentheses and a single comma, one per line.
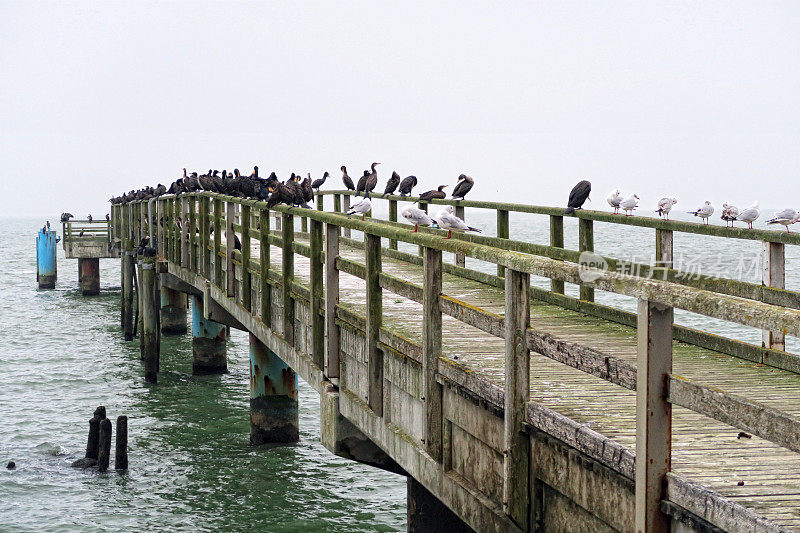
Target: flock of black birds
(295,191)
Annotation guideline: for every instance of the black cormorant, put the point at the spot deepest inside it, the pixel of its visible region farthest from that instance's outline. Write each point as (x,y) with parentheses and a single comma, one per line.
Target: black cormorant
(362,182)
(464,185)
(579,194)
(372,180)
(392,184)
(348,182)
(408,183)
(432,195)
(319,182)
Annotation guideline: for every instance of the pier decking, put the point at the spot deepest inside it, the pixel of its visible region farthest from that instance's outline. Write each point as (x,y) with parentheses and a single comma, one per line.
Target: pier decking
(517,408)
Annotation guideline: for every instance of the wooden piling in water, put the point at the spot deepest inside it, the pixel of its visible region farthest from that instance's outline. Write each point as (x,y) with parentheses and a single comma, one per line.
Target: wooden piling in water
(104,452)
(121,449)
(150,331)
(127,291)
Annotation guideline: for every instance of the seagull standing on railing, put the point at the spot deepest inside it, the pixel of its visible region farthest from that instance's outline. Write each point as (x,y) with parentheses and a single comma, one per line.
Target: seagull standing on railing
(614,198)
(416,216)
(361,208)
(729,214)
(447,220)
(704,211)
(787,217)
(629,204)
(665,206)
(750,215)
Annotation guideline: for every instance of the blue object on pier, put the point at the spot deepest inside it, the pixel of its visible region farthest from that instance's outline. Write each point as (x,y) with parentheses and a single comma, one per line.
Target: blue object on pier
(46,271)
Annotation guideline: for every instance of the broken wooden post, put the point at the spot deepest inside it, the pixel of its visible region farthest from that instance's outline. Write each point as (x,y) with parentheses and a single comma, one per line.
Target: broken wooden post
(653,414)
(121,449)
(431,351)
(104,452)
(516,491)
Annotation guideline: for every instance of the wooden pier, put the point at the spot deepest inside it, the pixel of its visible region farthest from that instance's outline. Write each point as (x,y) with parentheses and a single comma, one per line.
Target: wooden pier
(88,241)
(510,407)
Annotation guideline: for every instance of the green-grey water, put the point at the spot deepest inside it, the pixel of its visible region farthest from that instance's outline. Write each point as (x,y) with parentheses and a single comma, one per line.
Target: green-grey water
(191,466)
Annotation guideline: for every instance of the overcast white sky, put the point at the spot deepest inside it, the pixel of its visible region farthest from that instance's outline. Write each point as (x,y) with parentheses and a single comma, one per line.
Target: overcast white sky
(699,100)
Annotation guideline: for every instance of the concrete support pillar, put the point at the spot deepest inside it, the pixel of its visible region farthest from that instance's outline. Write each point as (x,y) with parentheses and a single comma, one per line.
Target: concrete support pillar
(89,275)
(427,514)
(209,342)
(173,311)
(46,271)
(274,415)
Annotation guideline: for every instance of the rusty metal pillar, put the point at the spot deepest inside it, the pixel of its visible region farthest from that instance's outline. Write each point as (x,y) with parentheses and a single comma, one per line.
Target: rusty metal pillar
(274,414)
(89,275)
(209,342)
(173,311)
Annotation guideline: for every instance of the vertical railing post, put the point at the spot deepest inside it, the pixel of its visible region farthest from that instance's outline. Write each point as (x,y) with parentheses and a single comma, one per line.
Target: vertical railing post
(374,316)
(266,288)
(653,414)
(586,244)
(230,240)
(320,202)
(557,241)
(177,228)
(345,209)
(502,233)
(393,218)
(217,242)
(303,224)
(337,203)
(773,261)
(247,286)
(663,252)
(432,350)
(460,258)
(159,233)
(424,207)
(193,233)
(332,345)
(288,277)
(516,466)
(317,295)
(166,243)
(205,233)
(185,231)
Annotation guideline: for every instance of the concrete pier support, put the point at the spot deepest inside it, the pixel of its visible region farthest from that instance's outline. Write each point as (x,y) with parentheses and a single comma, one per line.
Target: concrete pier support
(46,271)
(427,514)
(173,311)
(209,342)
(89,275)
(274,415)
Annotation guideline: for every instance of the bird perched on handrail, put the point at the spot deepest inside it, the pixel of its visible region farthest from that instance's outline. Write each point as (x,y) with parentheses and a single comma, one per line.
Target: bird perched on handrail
(347,180)
(416,216)
(729,214)
(362,183)
(66,216)
(704,211)
(281,194)
(89,217)
(665,206)
(449,221)
(308,191)
(406,185)
(464,185)
(372,180)
(438,194)
(629,204)
(319,182)
(613,199)
(750,215)
(391,185)
(361,208)
(577,196)
(786,217)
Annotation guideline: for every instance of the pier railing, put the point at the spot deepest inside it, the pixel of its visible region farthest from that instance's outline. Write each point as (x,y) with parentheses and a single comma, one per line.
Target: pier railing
(189,230)
(88,239)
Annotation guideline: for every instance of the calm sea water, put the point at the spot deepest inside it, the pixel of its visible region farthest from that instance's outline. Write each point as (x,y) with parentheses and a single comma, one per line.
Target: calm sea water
(191,466)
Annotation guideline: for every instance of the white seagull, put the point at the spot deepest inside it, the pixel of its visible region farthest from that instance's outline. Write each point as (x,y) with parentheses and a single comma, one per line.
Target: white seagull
(729,213)
(447,220)
(787,217)
(416,216)
(361,208)
(614,198)
(629,204)
(750,215)
(704,211)
(665,205)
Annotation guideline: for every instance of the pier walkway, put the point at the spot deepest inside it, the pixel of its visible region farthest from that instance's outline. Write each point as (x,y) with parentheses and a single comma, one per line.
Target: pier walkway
(515,407)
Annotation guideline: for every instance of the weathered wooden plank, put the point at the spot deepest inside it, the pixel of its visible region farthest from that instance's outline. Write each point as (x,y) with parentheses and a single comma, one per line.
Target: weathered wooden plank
(287,273)
(774,275)
(317,266)
(374,304)
(503,232)
(332,344)
(431,351)
(586,244)
(557,241)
